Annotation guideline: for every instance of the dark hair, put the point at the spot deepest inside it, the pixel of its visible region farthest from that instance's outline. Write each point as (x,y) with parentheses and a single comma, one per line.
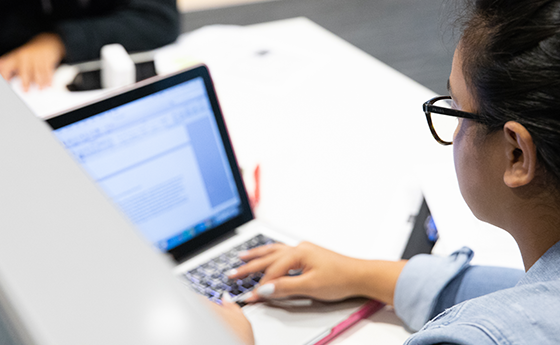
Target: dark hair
(511,63)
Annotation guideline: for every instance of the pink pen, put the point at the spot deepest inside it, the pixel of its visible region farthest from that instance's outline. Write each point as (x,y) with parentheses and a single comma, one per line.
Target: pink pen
(363,313)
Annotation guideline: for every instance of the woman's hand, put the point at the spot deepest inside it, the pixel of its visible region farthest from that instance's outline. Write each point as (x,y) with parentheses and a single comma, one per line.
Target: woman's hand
(325,275)
(234,317)
(35,61)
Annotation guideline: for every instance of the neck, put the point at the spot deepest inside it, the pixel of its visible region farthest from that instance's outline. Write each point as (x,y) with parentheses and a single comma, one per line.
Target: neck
(535,232)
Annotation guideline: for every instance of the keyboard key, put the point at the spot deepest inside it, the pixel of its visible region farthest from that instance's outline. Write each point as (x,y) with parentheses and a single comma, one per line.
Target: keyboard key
(193,280)
(236,291)
(225,287)
(209,279)
(248,285)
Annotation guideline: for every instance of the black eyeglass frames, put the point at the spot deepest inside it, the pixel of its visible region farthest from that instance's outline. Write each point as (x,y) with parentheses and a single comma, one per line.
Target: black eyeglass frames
(443,119)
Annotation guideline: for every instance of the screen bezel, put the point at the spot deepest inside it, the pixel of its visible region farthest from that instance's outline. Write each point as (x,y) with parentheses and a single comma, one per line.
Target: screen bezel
(150,87)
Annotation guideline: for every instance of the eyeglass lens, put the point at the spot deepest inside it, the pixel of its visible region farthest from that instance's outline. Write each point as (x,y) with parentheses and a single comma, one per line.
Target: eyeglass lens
(444,125)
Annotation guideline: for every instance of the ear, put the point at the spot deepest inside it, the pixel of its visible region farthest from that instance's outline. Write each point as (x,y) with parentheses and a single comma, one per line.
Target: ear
(521,155)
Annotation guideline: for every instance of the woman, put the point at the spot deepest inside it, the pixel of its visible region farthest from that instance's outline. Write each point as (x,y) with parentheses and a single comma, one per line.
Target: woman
(35,36)
(505,88)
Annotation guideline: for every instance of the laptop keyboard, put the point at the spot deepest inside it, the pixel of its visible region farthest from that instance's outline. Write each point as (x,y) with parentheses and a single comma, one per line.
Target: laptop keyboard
(210,280)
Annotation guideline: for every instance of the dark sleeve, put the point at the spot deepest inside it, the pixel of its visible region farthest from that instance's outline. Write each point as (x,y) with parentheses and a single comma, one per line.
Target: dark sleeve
(475,281)
(140,25)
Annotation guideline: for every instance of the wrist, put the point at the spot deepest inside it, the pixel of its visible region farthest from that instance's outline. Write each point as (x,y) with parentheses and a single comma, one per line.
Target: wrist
(377,279)
(54,42)
(60,48)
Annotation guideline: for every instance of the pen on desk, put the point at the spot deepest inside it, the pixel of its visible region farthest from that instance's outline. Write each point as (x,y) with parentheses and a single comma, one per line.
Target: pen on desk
(364,312)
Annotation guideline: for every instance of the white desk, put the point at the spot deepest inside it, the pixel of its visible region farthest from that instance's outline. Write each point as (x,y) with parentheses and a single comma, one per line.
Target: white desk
(342,143)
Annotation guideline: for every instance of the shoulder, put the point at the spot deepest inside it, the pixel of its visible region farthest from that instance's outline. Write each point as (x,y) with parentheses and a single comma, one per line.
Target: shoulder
(525,314)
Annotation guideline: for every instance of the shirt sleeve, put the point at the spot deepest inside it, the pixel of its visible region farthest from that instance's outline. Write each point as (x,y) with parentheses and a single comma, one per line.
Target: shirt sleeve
(140,25)
(428,285)
(422,280)
(475,281)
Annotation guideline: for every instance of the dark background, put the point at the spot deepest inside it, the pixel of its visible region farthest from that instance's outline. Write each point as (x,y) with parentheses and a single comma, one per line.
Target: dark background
(412,36)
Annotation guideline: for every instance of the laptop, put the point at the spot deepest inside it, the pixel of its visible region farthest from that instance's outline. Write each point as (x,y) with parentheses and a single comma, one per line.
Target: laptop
(66,255)
(161,152)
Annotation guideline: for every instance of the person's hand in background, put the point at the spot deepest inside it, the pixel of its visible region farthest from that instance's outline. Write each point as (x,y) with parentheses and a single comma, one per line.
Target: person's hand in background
(35,61)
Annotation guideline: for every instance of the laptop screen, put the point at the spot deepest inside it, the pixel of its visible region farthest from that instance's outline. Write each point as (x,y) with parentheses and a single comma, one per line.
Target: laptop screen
(162,160)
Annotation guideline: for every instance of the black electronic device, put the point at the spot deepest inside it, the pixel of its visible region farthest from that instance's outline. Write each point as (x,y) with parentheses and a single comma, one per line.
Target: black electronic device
(424,233)
(161,152)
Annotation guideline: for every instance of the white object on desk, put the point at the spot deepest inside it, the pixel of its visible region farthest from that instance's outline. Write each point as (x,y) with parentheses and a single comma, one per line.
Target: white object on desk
(117,68)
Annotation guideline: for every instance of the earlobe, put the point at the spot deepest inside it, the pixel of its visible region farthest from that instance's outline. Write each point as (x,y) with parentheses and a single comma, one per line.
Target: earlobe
(521,155)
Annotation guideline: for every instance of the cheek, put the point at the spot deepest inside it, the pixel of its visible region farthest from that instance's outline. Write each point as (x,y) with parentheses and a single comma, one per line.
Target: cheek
(459,125)
(460,160)
(466,164)
(460,149)
(477,171)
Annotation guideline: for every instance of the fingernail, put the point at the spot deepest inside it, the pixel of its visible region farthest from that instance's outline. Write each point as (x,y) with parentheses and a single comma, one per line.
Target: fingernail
(242,253)
(245,297)
(226,297)
(265,290)
(231,272)
(294,272)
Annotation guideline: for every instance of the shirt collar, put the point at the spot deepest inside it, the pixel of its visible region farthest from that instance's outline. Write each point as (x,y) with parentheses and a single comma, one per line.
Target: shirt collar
(547,268)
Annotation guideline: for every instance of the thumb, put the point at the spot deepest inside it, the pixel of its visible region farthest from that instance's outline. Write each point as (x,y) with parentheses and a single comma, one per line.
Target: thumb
(228,303)
(284,287)
(7,70)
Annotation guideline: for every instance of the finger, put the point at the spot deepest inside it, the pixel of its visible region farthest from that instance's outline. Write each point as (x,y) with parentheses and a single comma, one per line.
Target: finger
(7,74)
(277,259)
(7,68)
(37,75)
(25,74)
(254,266)
(260,251)
(41,77)
(49,74)
(251,297)
(285,287)
(280,267)
(228,303)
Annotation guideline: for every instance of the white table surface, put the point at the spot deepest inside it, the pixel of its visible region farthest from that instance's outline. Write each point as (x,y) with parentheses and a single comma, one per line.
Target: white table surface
(342,142)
